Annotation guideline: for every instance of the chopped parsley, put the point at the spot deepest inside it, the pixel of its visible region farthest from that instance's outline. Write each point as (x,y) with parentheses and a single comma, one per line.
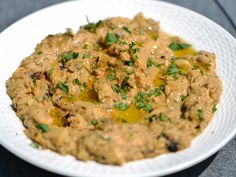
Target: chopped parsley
(177,46)
(63,87)
(68,56)
(154,35)
(214,109)
(173,70)
(123,106)
(85,46)
(126,29)
(142,98)
(124,83)
(94,122)
(151,63)
(111,38)
(43,127)
(139,104)
(34,80)
(163,118)
(157,91)
(37,98)
(123,95)
(96,46)
(39,52)
(148,108)
(86,55)
(92,27)
(200,115)
(183,97)
(132,51)
(51,70)
(35,145)
(78,82)
(129,63)
(110,77)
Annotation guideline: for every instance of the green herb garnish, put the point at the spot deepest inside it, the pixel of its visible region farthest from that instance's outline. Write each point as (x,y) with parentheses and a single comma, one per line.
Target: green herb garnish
(85,46)
(37,98)
(51,70)
(177,46)
(200,115)
(43,127)
(126,29)
(214,109)
(86,55)
(130,63)
(39,52)
(110,77)
(123,106)
(183,97)
(94,122)
(77,82)
(35,145)
(92,27)
(63,87)
(173,70)
(162,117)
(68,56)
(148,108)
(111,38)
(149,62)
(123,95)
(124,83)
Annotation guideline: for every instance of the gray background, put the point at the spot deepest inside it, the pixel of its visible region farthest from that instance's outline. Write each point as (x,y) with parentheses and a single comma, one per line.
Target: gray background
(221,164)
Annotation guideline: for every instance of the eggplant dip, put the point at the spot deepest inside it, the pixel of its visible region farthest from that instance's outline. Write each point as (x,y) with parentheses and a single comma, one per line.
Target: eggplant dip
(117,90)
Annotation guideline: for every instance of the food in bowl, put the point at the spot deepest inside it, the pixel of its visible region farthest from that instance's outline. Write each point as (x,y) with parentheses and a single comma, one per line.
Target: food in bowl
(116,91)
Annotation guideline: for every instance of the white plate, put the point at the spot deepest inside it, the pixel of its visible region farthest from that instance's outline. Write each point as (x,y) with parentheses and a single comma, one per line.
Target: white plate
(19,40)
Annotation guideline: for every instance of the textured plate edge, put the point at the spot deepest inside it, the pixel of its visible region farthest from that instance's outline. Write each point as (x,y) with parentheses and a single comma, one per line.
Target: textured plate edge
(170,170)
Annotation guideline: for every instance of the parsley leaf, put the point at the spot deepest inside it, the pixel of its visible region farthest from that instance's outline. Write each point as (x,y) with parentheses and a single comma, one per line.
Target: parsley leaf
(68,56)
(124,83)
(148,108)
(86,55)
(177,46)
(126,29)
(51,71)
(173,70)
(163,118)
(200,115)
(214,109)
(151,63)
(94,122)
(123,106)
(63,87)
(111,38)
(92,27)
(110,77)
(130,63)
(77,82)
(123,95)
(183,97)
(43,127)
(35,145)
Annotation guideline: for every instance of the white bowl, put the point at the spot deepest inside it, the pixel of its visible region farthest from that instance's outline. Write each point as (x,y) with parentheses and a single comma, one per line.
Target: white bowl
(19,40)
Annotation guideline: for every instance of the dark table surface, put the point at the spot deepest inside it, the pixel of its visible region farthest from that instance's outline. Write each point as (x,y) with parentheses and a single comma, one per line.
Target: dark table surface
(221,164)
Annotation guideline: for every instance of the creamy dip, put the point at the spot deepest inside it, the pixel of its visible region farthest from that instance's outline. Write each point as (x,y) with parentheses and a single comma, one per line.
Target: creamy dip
(117,90)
